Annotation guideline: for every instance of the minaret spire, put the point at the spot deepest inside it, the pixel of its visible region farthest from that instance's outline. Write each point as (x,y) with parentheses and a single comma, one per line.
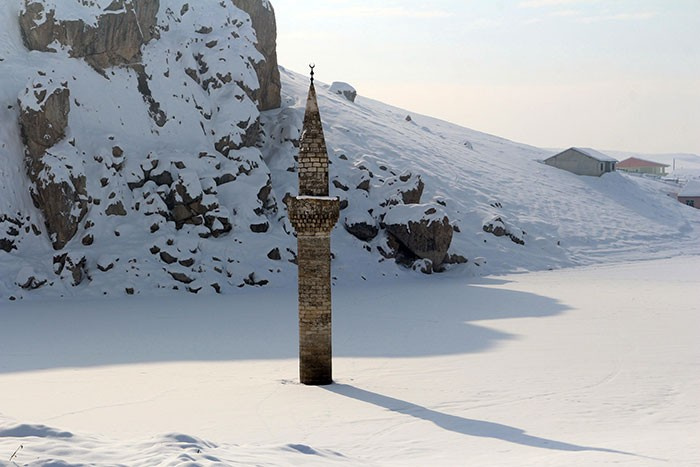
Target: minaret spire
(313,214)
(313,155)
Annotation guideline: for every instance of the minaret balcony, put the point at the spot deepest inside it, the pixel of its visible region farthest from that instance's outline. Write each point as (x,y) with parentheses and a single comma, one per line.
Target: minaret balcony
(313,216)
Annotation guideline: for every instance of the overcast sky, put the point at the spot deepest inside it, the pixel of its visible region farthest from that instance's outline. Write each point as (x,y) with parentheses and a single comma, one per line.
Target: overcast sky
(608,74)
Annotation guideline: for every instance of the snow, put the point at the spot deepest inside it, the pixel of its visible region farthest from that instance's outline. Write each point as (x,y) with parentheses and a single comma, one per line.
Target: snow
(322,198)
(338,87)
(577,367)
(567,350)
(692,188)
(83,10)
(403,214)
(470,177)
(597,155)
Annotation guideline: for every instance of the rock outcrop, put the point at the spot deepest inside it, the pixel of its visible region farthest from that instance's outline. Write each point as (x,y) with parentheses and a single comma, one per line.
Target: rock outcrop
(115,39)
(423,230)
(498,227)
(44,109)
(362,230)
(263,17)
(344,89)
(58,181)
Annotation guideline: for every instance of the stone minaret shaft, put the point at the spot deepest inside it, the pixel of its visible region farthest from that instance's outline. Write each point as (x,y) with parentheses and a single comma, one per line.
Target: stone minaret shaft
(313,215)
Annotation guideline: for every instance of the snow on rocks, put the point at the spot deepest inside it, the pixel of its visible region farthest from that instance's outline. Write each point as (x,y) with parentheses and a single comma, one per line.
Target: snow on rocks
(498,227)
(119,154)
(56,170)
(103,32)
(44,107)
(344,89)
(419,231)
(27,278)
(173,149)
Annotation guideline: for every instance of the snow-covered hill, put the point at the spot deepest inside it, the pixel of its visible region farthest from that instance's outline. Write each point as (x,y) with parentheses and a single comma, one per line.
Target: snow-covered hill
(174,185)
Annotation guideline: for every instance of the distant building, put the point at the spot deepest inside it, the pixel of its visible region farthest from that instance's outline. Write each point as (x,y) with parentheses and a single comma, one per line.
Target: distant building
(690,194)
(636,165)
(583,161)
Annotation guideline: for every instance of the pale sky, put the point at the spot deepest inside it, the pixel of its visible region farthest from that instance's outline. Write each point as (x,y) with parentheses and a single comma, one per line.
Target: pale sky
(608,74)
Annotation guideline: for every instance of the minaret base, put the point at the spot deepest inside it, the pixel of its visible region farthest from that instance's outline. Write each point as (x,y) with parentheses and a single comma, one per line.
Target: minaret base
(313,218)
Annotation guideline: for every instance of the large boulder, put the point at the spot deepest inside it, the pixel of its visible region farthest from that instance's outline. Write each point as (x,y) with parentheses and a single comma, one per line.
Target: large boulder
(115,39)
(422,229)
(263,17)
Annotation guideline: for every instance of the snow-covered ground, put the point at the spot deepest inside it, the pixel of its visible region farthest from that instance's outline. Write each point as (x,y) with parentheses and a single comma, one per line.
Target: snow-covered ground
(578,367)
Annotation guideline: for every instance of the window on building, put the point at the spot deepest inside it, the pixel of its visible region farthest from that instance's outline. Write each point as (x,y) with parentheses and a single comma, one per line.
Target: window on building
(690,202)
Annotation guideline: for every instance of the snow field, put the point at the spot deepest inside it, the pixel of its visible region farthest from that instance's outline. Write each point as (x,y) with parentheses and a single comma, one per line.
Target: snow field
(579,367)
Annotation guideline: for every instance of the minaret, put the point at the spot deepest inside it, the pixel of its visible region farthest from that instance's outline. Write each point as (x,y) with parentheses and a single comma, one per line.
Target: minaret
(313,215)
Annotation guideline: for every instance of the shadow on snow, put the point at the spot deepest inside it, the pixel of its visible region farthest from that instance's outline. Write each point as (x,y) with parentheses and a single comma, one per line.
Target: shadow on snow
(464,426)
(406,320)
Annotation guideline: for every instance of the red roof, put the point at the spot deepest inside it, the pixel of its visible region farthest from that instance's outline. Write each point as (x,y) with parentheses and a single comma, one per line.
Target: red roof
(635,163)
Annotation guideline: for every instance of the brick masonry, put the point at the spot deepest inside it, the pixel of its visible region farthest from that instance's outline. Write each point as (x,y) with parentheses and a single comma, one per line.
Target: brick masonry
(313,156)
(313,215)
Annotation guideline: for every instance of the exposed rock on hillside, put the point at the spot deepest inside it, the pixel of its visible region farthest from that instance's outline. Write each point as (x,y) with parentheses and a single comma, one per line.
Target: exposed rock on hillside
(263,17)
(344,89)
(423,230)
(44,108)
(363,230)
(498,227)
(89,156)
(153,167)
(115,38)
(59,183)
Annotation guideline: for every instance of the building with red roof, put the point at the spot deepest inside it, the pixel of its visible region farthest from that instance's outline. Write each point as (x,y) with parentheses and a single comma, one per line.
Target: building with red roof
(642,166)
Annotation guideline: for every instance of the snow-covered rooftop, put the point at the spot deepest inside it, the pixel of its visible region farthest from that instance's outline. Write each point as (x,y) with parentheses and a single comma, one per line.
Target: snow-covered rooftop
(595,154)
(692,188)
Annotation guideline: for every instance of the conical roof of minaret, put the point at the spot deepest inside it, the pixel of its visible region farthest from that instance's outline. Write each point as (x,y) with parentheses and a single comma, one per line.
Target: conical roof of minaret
(313,127)
(313,156)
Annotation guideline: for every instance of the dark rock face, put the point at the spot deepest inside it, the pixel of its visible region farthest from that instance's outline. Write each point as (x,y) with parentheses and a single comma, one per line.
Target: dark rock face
(274,254)
(362,230)
(44,117)
(413,195)
(58,191)
(57,202)
(427,238)
(268,72)
(115,40)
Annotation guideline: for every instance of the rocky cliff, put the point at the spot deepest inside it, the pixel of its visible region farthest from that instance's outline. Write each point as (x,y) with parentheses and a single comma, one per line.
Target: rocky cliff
(262,15)
(144,149)
(110,37)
